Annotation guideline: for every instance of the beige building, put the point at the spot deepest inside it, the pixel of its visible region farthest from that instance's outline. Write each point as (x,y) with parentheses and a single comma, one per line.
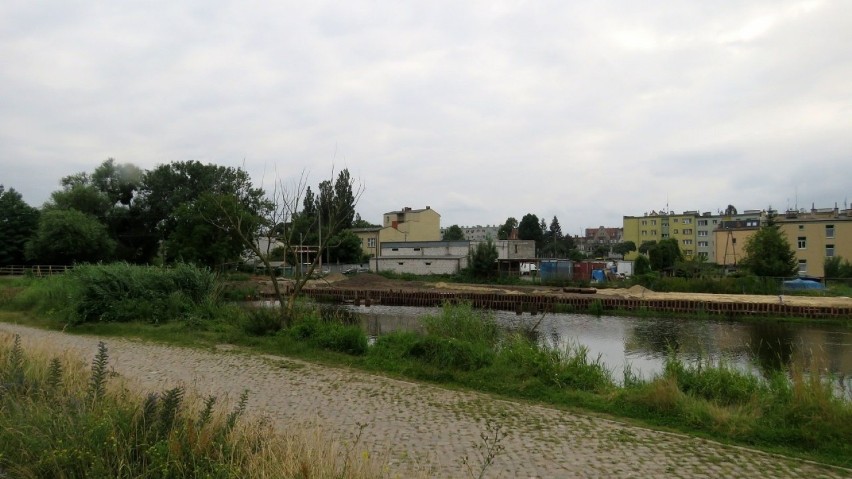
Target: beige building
(405,225)
(817,234)
(729,239)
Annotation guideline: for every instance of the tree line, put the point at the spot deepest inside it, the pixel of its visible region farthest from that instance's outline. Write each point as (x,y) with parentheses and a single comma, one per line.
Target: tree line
(177,212)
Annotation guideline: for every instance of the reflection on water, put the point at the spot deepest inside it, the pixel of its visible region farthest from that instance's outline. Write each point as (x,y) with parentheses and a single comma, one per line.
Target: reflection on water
(643,343)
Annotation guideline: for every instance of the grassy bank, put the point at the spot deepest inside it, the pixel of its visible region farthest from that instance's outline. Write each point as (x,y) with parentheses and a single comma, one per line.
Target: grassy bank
(791,412)
(59,418)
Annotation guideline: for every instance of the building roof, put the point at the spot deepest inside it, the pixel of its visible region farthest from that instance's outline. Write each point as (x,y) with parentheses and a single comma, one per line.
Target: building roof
(423,244)
(409,210)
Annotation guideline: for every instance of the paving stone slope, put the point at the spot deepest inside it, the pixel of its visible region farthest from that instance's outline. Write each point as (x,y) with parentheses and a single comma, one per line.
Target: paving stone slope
(427,430)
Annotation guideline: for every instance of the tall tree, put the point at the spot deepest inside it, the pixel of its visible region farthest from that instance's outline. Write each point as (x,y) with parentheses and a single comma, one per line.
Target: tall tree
(453,233)
(555,229)
(768,253)
(664,255)
(530,229)
(18,222)
(505,230)
(169,194)
(69,236)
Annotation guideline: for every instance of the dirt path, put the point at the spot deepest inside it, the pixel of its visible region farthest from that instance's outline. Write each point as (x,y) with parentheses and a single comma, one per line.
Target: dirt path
(428,429)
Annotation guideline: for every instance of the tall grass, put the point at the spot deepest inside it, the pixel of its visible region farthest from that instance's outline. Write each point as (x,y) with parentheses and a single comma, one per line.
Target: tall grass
(58,419)
(123,292)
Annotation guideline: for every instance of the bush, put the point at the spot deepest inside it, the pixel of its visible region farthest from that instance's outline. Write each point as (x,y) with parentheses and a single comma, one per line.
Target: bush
(331,335)
(461,321)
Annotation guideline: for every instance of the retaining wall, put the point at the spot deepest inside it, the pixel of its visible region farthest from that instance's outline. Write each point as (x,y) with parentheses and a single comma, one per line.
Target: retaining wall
(576,303)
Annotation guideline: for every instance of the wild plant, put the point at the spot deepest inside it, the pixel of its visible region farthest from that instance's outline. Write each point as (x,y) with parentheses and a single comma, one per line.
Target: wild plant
(97,381)
(489,447)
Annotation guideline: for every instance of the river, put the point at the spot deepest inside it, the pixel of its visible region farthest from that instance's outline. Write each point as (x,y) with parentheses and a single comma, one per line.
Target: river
(759,346)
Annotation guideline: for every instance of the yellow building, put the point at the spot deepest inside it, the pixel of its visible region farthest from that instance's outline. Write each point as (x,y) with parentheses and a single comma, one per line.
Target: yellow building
(817,234)
(730,238)
(656,226)
(400,226)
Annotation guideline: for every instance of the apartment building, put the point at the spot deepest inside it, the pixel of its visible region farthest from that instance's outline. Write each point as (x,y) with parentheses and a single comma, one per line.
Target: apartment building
(817,234)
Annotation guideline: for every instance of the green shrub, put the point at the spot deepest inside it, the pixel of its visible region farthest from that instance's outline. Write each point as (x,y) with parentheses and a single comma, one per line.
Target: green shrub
(719,383)
(452,353)
(462,322)
(331,335)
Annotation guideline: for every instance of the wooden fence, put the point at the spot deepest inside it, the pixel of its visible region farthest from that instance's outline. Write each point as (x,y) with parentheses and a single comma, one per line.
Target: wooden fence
(35,270)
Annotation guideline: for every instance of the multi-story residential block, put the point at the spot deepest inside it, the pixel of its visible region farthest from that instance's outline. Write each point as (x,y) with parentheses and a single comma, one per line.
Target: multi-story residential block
(716,235)
(817,234)
(478,233)
(657,226)
(696,233)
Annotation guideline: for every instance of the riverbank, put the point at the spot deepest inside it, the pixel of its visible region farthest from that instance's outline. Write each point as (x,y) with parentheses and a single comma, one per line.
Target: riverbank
(425,429)
(637,300)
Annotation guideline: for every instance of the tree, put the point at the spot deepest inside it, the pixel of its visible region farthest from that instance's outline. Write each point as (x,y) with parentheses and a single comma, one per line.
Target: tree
(555,229)
(18,222)
(69,236)
(168,197)
(837,267)
(276,223)
(664,255)
(482,260)
(505,231)
(530,229)
(361,223)
(646,246)
(624,248)
(768,253)
(453,233)
(600,251)
(641,265)
(345,247)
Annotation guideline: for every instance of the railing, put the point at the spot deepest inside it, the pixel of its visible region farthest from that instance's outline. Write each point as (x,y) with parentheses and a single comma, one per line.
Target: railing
(35,270)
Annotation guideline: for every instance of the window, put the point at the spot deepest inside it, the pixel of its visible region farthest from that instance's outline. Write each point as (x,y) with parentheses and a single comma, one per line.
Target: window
(644,233)
(733,241)
(394,249)
(675,220)
(703,233)
(803,242)
(401,263)
(687,241)
(715,222)
(687,221)
(801,227)
(371,242)
(665,235)
(829,251)
(687,231)
(675,231)
(702,222)
(803,266)
(428,263)
(644,222)
(752,223)
(687,252)
(416,249)
(703,244)
(653,222)
(702,254)
(829,231)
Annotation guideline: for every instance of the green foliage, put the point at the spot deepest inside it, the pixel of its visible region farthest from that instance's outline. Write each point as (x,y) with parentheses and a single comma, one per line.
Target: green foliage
(505,230)
(18,222)
(123,292)
(530,229)
(837,267)
(769,254)
(646,246)
(664,255)
(624,248)
(482,260)
(345,247)
(329,334)
(453,233)
(642,265)
(69,236)
(461,321)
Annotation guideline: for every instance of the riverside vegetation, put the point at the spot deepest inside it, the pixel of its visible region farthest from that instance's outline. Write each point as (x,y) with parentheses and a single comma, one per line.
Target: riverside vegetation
(58,420)
(791,412)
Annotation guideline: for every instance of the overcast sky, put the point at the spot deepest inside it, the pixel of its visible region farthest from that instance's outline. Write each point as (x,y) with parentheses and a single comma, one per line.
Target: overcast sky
(587,110)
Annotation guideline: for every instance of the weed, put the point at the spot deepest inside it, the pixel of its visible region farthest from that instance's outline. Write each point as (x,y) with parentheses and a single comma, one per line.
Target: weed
(489,447)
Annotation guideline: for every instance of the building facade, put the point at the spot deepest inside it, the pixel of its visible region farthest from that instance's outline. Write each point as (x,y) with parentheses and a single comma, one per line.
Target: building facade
(404,225)
(817,234)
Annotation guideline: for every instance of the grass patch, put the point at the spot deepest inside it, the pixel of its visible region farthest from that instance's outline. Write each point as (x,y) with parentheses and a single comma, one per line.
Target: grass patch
(59,418)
